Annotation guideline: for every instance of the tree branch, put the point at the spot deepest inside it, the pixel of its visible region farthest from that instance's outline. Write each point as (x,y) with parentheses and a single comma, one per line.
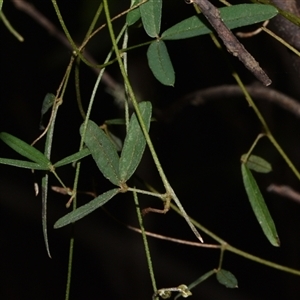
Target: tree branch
(232,44)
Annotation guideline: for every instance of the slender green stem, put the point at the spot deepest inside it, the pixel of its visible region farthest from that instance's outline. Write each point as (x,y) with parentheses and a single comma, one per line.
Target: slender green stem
(77,50)
(281,40)
(262,261)
(253,146)
(125,60)
(228,247)
(163,177)
(251,103)
(77,88)
(96,18)
(137,46)
(89,35)
(266,128)
(9,26)
(146,245)
(77,85)
(64,27)
(161,196)
(284,156)
(59,180)
(70,265)
(223,248)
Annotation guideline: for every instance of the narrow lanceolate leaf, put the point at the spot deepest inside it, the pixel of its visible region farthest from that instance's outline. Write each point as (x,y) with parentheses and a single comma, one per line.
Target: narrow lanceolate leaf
(160,63)
(134,14)
(73,158)
(227,278)
(257,164)
(151,17)
(47,104)
(25,150)
(45,180)
(234,16)
(22,164)
(259,207)
(134,144)
(103,151)
(86,209)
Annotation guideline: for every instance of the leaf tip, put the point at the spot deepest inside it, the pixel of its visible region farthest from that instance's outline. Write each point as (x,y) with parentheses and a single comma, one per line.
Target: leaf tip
(277,242)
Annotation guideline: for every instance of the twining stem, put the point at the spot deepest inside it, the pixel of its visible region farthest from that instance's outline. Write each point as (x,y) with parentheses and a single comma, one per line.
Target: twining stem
(163,177)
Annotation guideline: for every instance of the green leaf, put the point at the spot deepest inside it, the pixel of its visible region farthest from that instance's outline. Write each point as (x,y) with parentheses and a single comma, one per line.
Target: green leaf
(1,2)
(227,278)
(151,17)
(86,209)
(233,16)
(103,151)
(117,143)
(26,150)
(259,207)
(257,164)
(72,158)
(134,144)
(133,15)
(47,104)
(160,63)
(22,164)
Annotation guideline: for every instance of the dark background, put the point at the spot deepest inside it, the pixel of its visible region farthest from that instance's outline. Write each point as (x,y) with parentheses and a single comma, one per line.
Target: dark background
(200,150)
